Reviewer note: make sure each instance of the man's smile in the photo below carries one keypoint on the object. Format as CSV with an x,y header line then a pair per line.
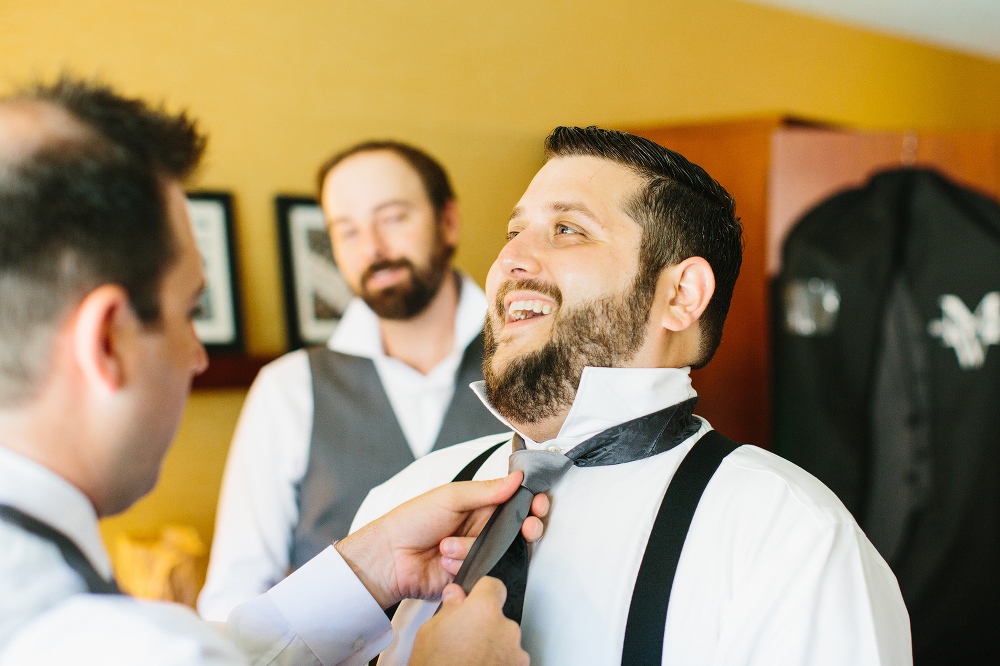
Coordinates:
x,y
521,306
385,277
528,309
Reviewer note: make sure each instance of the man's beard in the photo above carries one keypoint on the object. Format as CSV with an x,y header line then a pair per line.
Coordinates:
x,y
605,332
411,296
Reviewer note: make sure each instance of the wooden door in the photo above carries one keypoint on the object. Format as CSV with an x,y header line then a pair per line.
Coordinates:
x,y
735,386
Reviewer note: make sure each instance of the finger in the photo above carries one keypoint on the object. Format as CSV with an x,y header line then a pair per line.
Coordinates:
x,y
540,505
451,566
457,548
532,529
490,589
452,594
472,495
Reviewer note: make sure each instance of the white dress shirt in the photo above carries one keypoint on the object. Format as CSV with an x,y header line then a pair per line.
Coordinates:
x,y
322,614
258,505
774,569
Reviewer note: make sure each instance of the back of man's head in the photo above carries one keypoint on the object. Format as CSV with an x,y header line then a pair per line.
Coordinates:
x,y
683,212
82,204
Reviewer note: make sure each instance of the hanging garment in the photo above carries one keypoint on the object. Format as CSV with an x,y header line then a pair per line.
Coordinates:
x,y
886,333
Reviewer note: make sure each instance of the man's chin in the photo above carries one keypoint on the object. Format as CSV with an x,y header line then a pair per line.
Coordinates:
x,y
389,303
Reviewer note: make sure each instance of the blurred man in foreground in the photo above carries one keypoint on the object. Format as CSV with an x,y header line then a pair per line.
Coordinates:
x,y
99,280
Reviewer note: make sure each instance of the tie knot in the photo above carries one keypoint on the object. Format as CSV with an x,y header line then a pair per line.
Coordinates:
x,y
542,469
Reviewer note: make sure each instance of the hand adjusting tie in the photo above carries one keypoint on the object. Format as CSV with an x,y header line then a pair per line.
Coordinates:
x,y
501,551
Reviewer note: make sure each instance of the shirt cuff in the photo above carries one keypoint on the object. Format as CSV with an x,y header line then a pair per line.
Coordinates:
x,y
332,611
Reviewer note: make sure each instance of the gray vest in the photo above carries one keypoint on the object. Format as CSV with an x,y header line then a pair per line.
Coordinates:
x,y
357,442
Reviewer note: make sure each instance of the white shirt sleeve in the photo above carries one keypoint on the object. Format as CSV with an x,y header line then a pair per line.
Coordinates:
x,y
257,504
321,614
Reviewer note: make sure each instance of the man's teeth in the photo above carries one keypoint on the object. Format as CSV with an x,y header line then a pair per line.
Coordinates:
x,y
525,309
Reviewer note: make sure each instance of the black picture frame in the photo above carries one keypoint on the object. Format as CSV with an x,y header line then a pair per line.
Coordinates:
x,y
316,293
219,320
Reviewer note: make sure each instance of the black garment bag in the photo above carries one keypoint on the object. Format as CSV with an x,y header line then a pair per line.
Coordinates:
x,y
886,336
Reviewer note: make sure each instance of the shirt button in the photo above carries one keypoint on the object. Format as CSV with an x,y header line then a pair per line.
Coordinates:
x,y
357,644
553,448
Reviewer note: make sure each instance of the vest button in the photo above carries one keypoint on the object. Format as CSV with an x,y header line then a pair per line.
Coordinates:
x,y
357,644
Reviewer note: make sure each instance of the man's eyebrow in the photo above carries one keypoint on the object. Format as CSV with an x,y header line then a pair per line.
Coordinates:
x,y
572,207
385,204
560,207
392,202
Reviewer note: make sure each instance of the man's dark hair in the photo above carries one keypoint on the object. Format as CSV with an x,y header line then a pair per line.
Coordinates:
x,y
682,211
432,174
82,207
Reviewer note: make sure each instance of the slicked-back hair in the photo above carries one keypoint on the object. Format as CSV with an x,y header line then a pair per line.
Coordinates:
x,y
432,175
80,210
683,212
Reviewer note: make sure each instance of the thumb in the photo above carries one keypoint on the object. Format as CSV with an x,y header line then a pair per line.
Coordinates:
x,y
472,495
490,588
452,595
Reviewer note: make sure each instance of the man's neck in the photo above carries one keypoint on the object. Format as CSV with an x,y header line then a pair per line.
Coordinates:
x,y
428,338
545,429
43,436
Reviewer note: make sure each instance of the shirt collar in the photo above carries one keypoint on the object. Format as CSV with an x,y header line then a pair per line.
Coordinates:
x,y
608,397
358,333
48,497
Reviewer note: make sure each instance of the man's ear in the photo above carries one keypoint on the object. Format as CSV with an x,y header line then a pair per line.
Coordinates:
x,y
689,287
105,335
450,221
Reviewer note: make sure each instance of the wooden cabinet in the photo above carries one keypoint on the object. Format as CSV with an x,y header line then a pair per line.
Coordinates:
x,y
778,169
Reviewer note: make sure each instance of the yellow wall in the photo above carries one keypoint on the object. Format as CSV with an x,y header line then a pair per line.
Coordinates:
x,y
279,85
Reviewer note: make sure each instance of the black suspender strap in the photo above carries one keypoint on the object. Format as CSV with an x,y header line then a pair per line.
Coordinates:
x,y
647,614
74,557
469,471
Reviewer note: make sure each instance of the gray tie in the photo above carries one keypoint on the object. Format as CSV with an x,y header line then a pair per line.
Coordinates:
x,y
500,550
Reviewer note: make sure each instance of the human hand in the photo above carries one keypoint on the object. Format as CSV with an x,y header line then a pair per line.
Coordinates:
x,y
416,549
470,630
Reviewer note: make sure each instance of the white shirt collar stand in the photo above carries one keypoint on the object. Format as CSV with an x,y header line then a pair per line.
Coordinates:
x,y
608,397
48,497
359,334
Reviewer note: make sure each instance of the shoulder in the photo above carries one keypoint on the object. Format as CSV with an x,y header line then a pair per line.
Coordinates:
x,y
290,367
120,630
445,463
33,578
284,384
764,478
435,469
769,516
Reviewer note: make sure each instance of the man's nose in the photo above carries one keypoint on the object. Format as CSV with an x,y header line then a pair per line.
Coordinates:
x,y
519,258
200,362
373,246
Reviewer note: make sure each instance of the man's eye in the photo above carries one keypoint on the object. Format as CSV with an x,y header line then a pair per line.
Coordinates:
x,y
511,234
564,229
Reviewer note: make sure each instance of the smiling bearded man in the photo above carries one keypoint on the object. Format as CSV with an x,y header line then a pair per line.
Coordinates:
x,y
666,543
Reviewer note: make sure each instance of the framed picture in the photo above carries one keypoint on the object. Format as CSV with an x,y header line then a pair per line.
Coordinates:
x,y
218,320
315,292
